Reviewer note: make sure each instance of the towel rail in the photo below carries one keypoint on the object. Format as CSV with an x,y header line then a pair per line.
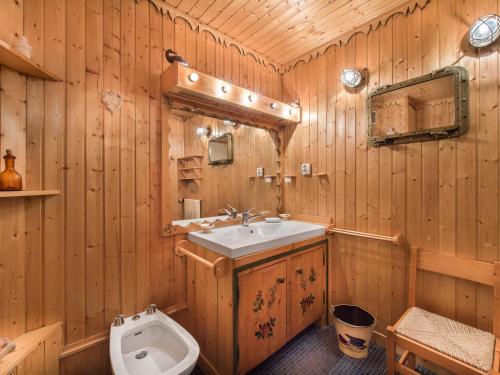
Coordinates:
x,y
397,239
219,266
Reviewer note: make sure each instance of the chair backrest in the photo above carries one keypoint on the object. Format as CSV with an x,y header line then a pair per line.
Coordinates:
x,y
473,270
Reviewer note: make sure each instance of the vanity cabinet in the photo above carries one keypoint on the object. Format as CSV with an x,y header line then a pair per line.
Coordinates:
x,y
276,301
255,306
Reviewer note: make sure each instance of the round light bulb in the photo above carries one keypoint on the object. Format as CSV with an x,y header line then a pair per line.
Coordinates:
x,y
225,89
252,97
273,105
193,77
351,77
484,31
292,111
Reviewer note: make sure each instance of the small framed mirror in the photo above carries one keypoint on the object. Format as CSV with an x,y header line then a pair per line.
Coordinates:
x,y
220,150
429,107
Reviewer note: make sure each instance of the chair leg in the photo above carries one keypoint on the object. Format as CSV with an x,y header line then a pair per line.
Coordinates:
x,y
391,351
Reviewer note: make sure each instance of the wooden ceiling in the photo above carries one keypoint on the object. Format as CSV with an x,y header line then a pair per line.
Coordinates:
x,y
283,30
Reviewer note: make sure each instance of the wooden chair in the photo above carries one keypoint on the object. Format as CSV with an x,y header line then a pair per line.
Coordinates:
x,y
414,331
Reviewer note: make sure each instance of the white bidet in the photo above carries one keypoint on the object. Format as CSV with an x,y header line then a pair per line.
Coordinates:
x,y
151,343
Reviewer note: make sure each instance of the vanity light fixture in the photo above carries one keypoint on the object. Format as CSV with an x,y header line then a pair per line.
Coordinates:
x,y
273,105
193,77
252,98
351,77
200,132
484,31
225,89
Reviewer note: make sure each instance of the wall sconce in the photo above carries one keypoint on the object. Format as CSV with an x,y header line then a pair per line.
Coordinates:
x,y
193,77
200,132
351,77
484,31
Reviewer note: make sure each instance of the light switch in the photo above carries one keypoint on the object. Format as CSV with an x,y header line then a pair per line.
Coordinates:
x,y
305,169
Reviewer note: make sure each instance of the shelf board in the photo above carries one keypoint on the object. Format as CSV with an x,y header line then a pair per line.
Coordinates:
x,y
190,169
190,178
28,193
320,174
189,157
290,175
16,61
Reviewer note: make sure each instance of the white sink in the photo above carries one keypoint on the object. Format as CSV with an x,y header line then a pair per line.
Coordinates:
x,y
236,241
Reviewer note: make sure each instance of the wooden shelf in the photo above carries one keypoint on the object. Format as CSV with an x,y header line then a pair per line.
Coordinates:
x,y
16,61
320,174
290,175
190,178
190,169
189,157
204,95
28,193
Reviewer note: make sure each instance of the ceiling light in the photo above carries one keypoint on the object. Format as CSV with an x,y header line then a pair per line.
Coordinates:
x,y
193,77
273,105
350,77
484,30
225,89
252,97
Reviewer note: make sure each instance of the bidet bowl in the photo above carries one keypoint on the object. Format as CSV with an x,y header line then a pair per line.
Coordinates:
x,y
153,344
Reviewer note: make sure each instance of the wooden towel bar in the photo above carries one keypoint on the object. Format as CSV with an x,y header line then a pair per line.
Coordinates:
x,y
396,239
219,267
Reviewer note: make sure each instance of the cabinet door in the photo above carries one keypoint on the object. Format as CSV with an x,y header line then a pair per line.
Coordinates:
x,y
261,314
306,278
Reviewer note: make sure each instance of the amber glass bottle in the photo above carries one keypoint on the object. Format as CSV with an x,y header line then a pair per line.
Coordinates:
x,y
9,178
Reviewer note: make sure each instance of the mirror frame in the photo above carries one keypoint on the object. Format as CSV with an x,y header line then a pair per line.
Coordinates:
x,y
230,144
461,101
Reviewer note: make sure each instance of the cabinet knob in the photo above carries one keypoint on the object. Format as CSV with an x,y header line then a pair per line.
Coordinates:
x,y
300,271
280,280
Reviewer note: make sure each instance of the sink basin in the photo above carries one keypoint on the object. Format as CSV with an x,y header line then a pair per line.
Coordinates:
x,y
236,241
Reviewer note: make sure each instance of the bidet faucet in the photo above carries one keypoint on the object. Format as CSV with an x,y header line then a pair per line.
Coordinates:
x,y
247,217
119,320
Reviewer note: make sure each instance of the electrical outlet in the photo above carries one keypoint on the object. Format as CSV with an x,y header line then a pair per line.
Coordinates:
x,y
305,169
260,172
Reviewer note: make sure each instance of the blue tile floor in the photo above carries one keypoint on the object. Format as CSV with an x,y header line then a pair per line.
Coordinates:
x,y
315,351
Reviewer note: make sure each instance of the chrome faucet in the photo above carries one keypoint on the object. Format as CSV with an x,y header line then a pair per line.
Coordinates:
x,y
232,212
247,217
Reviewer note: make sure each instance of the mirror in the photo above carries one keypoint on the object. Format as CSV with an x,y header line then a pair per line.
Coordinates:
x,y
212,163
429,107
220,150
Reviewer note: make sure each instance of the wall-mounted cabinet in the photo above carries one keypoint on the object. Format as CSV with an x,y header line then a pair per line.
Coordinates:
x,y
190,90
429,107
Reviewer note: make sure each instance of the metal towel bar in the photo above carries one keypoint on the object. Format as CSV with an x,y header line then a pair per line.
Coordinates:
x,y
397,239
219,267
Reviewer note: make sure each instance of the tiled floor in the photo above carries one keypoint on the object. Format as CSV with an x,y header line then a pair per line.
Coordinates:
x,y
315,351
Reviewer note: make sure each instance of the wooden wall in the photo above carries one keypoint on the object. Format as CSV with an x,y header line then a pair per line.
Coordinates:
x,y
95,250
442,195
234,183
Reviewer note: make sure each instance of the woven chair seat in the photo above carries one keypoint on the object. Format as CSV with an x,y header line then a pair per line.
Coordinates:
x,y
460,341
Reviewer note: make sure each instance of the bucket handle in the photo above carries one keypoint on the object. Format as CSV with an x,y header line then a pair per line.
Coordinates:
x,y
375,321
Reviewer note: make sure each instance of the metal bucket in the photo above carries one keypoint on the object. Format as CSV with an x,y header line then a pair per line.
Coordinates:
x,y
354,326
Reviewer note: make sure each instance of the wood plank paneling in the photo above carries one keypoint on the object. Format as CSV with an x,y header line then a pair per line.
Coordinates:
x,y
96,250
442,195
